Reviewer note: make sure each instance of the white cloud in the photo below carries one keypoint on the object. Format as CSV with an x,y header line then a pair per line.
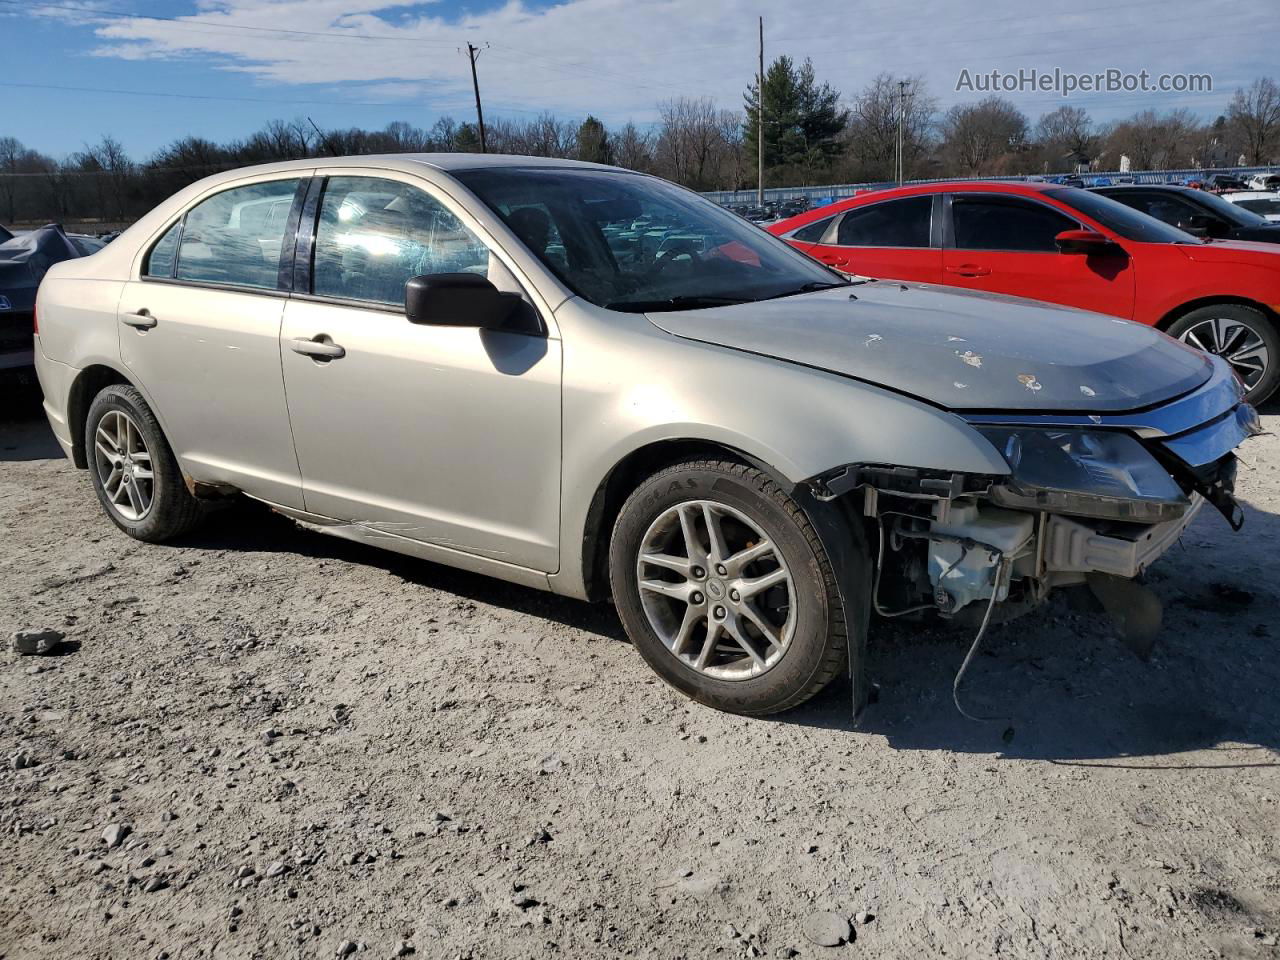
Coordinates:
x,y
618,58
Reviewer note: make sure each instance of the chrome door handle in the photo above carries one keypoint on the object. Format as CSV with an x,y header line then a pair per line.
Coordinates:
x,y
142,320
317,348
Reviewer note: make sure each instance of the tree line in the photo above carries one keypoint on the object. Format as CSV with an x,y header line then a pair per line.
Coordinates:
x,y
812,135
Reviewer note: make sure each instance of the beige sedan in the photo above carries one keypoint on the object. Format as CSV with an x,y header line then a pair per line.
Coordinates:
x,y
591,381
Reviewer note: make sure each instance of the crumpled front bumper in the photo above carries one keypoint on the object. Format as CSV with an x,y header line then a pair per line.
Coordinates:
x,y
1072,546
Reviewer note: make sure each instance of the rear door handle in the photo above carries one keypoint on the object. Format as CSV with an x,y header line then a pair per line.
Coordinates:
x,y
142,320
325,349
970,270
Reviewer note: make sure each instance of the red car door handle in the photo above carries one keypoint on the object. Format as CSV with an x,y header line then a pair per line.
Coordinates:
x,y
970,270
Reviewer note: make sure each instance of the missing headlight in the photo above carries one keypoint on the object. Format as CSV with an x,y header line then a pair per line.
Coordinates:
x,y
1091,473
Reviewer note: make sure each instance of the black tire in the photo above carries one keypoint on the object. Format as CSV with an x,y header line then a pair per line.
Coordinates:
x,y
1257,322
818,648
173,511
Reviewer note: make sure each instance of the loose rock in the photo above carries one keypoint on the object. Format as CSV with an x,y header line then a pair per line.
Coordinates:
x,y
827,929
27,643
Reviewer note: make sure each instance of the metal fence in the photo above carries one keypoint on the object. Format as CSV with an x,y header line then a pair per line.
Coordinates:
x,y
831,193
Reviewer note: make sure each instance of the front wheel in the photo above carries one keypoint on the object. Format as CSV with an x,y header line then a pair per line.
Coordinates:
x,y
1243,336
725,589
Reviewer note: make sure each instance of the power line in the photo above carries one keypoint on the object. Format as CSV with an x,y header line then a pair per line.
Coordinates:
x,y
398,104
196,24
197,96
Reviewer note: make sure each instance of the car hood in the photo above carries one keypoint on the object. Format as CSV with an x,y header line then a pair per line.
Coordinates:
x,y
1262,233
1232,251
958,349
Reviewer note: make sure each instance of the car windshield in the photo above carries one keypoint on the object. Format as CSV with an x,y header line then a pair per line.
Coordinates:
x,y
636,243
1263,206
1231,212
1129,223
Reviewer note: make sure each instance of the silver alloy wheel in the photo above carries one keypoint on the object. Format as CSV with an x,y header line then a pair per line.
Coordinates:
x,y
1236,342
124,465
716,590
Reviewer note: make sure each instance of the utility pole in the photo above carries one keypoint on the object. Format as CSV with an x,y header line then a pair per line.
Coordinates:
x,y
472,53
760,124
323,139
902,116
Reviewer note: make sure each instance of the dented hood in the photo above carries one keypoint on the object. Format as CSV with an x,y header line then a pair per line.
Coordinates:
x,y
958,349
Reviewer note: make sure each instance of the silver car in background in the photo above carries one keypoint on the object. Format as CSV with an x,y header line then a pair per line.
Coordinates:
x,y
591,381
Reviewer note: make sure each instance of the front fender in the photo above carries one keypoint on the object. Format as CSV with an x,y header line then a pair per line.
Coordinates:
x,y
628,385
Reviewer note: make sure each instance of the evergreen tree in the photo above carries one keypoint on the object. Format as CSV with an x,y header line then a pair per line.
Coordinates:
x,y
467,138
593,142
802,119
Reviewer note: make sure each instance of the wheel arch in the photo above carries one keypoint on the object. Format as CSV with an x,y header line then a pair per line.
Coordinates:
x,y
1183,309
627,474
87,384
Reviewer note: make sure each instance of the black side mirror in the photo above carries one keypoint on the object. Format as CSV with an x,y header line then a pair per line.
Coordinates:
x,y
1203,225
458,300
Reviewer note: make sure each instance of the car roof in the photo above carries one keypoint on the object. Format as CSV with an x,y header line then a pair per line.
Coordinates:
x,y
447,162
1022,187
1130,187
1251,195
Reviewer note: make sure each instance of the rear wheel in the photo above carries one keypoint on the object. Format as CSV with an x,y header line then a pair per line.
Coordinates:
x,y
725,589
133,469
1243,336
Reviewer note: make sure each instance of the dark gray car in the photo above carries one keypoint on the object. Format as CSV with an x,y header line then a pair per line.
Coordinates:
x,y
24,260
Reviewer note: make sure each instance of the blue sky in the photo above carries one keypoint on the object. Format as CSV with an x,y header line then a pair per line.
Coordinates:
x,y
366,63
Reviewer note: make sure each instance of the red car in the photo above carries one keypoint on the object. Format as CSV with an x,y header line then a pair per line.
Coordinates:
x,y
1064,245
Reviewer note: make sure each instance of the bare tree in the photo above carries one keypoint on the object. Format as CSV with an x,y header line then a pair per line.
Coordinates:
x,y
633,148
689,141
734,164
110,171
1152,140
10,150
1066,138
979,138
1255,116
871,138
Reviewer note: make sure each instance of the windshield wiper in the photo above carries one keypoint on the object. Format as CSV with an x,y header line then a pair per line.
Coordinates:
x,y
814,285
673,303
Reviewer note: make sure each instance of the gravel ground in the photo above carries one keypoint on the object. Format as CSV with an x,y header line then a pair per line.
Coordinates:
x,y
263,742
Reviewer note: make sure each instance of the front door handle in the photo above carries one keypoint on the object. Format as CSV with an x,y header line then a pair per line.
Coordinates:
x,y
970,270
142,320
324,349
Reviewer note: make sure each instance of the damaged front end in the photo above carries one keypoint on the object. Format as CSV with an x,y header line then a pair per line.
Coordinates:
x,y
1088,499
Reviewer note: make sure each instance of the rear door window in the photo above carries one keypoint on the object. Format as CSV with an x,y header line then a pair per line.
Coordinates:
x,y
235,237
893,223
